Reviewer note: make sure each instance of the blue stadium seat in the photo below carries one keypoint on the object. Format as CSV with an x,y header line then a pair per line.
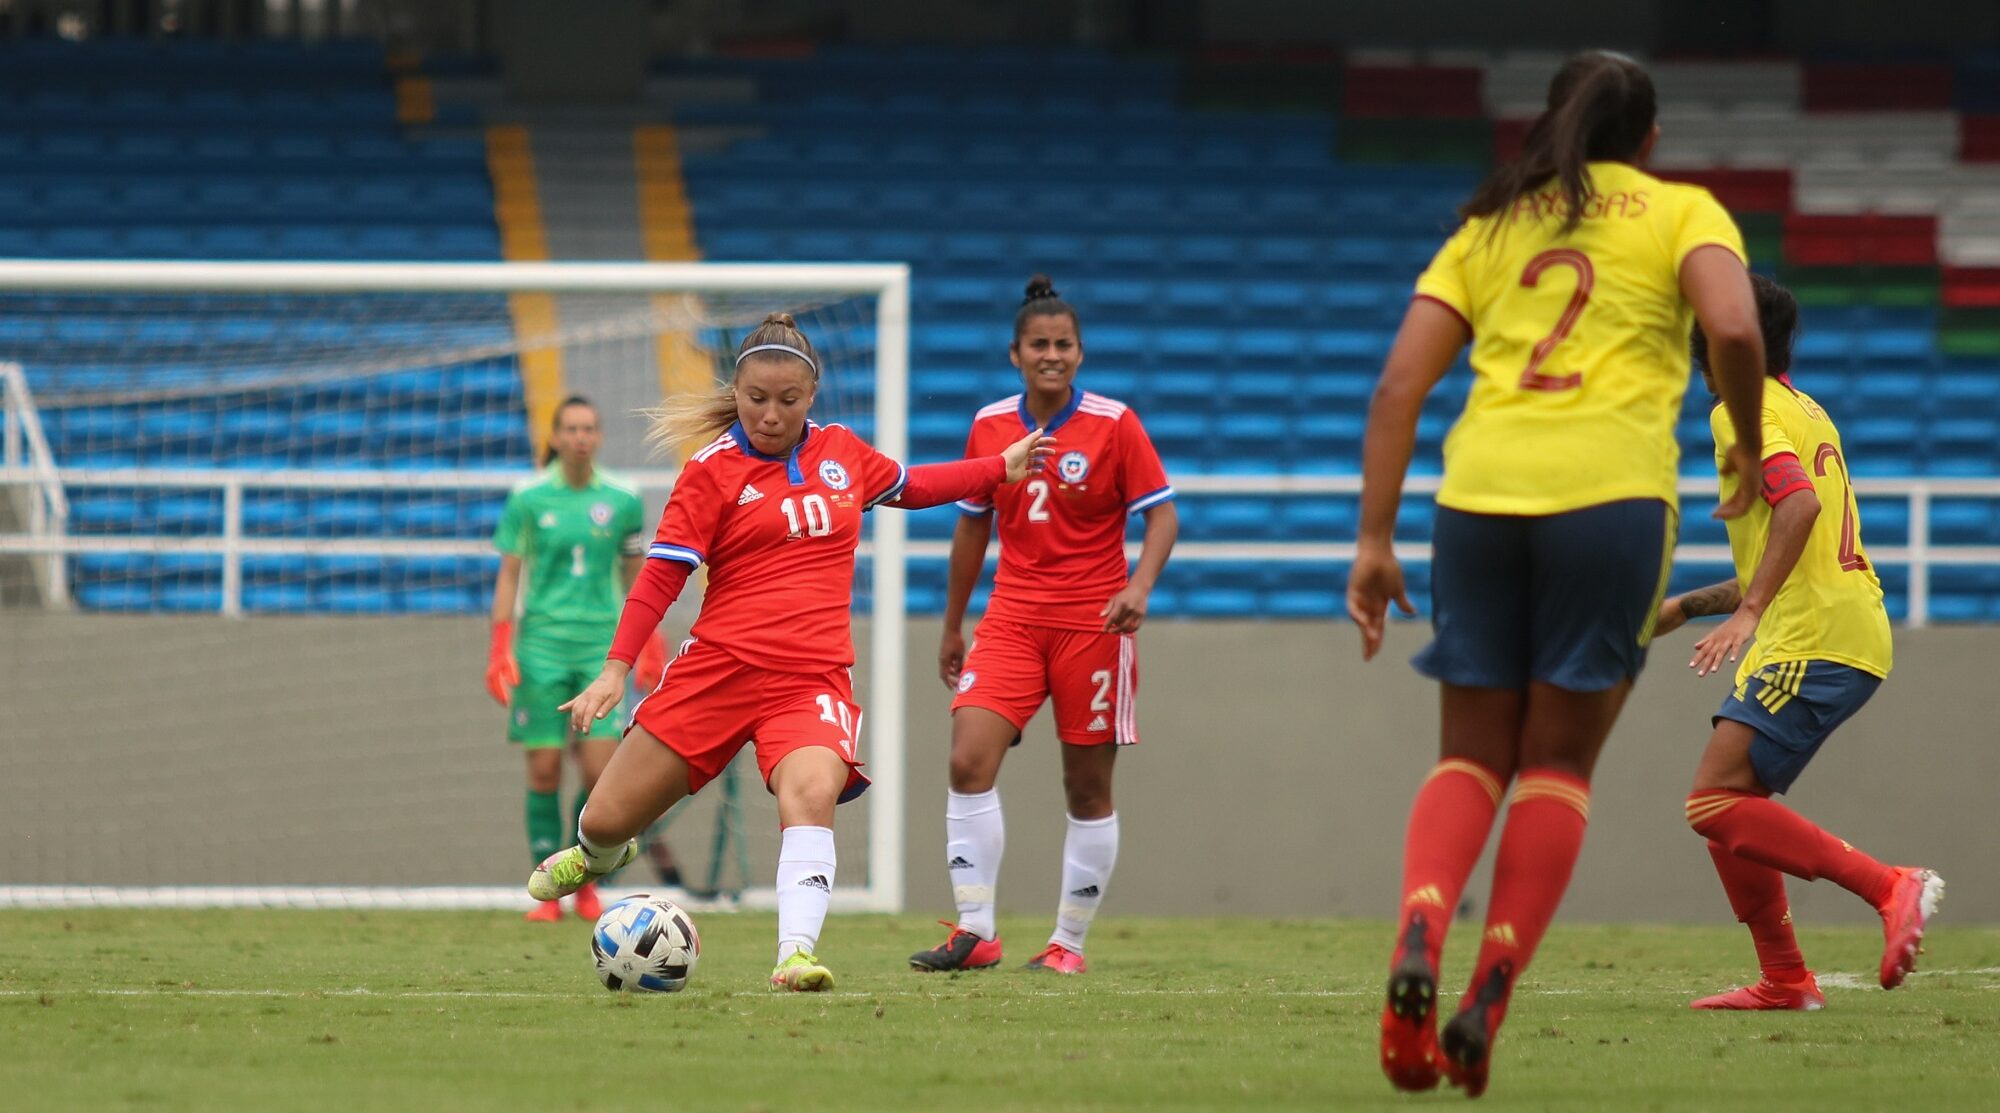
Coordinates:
x,y
1270,350
1198,299
1960,594
1318,518
1245,518
111,510
1325,442
280,597
1277,302
1198,349
1349,350
1120,347
1961,522
1220,590
1898,348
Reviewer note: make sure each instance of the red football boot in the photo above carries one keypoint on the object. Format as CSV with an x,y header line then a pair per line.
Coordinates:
x,y
1409,1020
1058,959
1770,996
961,950
1468,1040
1911,904
589,906
545,912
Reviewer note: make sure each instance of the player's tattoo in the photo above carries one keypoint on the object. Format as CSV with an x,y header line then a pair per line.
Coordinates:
x,y
1719,598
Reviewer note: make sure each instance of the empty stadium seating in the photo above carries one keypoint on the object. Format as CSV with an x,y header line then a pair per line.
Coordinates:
x,y
254,150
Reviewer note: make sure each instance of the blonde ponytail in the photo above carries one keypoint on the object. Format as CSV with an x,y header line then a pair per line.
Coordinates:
x,y
690,420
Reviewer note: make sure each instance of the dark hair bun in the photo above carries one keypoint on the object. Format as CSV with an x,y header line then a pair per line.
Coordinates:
x,y
785,319
1040,287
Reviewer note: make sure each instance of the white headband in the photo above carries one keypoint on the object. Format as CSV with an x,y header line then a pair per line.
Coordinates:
x,y
748,352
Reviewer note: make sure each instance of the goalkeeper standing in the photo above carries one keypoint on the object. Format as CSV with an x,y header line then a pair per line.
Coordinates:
x,y
570,542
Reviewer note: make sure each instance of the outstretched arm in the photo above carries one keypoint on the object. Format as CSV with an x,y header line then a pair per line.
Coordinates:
x,y
1700,603
937,484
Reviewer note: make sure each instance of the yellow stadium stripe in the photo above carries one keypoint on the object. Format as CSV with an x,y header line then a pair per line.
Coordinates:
x,y
666,221
1478,773
517,208
416,101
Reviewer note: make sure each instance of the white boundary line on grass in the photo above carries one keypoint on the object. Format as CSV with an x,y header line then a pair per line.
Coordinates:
x,y
1827,981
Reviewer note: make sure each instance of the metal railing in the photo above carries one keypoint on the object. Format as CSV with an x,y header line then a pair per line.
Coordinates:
x,y
24,451
50,539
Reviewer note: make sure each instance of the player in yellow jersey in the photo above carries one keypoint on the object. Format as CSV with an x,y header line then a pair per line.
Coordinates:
x,y
1806,591
1575,278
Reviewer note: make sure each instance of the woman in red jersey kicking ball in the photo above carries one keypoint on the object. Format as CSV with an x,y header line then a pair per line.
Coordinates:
x,y
1576,277
773,505
1059,626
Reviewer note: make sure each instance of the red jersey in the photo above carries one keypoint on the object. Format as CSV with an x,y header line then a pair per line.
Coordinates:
x,y
1062,531
778,535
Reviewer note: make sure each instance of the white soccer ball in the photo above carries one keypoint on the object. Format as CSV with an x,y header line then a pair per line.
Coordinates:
x,y
645,944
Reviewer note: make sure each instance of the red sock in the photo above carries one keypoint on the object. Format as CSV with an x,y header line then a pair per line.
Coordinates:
x,y
1538,849
1769,833
1449,822
1757,896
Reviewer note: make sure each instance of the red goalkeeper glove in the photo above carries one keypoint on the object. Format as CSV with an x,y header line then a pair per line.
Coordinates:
x,y
502,673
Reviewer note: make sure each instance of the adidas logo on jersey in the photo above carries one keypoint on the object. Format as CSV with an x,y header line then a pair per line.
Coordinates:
x,y
817,881
959,863
750,494
1099,723
1088,892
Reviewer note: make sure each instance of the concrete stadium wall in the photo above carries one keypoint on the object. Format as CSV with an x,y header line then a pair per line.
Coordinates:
x,y
1273,779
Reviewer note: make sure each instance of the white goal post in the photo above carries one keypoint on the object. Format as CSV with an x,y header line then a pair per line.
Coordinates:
x,y
744,290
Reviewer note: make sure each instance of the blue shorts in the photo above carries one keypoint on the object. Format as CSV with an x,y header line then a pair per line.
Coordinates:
x,y
1793,706
1567,599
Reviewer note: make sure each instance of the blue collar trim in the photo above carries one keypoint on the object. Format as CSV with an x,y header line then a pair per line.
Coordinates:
x,y
1056,422
791,462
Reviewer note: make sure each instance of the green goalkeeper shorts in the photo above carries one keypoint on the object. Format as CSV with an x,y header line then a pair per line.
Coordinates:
x,y
548,681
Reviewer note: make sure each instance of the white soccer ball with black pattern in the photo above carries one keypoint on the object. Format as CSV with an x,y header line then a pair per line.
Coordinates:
x,y
645,944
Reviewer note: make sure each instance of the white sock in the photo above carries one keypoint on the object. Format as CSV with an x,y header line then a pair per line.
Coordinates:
x,y
1090,850
600,859
805,887
975,838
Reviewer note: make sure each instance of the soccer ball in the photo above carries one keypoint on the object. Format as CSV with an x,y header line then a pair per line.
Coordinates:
x,y
645,944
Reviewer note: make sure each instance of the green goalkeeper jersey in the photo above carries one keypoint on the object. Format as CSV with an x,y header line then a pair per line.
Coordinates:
x,y
571,542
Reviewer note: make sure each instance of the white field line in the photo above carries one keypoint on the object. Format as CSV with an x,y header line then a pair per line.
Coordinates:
x,y
1826,981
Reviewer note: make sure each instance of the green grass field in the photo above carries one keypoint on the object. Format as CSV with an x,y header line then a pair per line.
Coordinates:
x,y
303,1011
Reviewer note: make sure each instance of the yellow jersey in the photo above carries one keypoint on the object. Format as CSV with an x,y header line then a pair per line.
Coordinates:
x,y
1579,343
1830,607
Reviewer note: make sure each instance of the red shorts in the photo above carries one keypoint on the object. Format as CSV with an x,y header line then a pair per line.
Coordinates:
x,y
709,704
1093,678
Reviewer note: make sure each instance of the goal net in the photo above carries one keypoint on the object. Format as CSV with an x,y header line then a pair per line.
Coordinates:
x,y
245,558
